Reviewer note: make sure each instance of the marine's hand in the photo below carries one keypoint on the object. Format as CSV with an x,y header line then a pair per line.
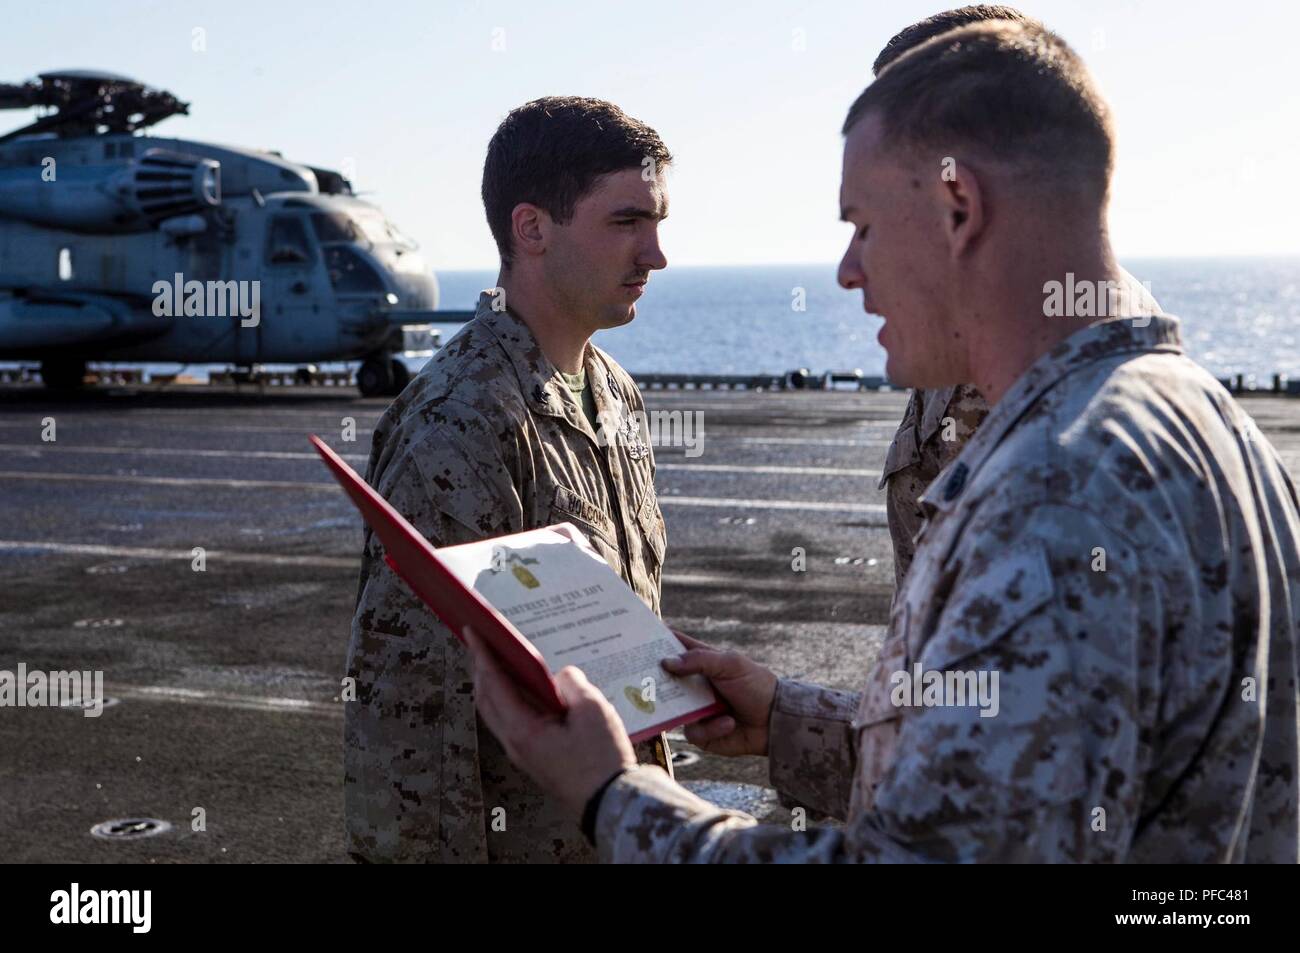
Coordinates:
x,y
570,756
746,686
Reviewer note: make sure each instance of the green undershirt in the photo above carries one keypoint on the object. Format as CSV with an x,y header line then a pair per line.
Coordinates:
x,y
577,384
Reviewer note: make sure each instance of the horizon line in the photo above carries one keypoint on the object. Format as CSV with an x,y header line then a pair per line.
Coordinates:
x,y
1200,256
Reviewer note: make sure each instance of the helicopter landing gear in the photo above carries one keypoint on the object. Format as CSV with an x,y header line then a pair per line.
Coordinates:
x,y
375,377
401,377
382,376
63,374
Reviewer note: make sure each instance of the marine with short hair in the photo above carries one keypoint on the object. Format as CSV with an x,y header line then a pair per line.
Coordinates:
x,y
517,423
1117,544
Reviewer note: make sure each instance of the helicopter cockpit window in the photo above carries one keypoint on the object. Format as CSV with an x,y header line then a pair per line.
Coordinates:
x,y
287,242
334,227
380,231
349,272
373,227
399,239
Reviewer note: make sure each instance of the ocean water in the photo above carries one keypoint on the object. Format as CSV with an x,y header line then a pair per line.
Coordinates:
x,y
1239,316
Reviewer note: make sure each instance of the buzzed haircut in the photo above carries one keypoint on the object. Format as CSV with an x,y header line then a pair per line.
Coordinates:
x,y
1008,93
922,30
551,152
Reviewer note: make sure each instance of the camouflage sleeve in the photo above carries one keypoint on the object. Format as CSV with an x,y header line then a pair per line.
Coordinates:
x,y
1046,767
810,746
646,817
411,785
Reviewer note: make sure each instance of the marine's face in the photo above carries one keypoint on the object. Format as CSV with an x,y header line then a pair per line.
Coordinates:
x,y
600,260
898,257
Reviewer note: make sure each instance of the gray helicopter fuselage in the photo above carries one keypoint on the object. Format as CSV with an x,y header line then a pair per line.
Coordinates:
x,y
97,262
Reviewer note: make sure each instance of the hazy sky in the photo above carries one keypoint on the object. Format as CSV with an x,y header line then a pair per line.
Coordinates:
x,y
749,97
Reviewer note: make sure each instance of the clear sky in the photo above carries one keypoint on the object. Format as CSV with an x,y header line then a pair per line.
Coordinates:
x,y
749,96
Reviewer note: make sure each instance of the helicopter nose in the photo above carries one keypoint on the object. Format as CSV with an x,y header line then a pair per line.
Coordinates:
x,y
416,290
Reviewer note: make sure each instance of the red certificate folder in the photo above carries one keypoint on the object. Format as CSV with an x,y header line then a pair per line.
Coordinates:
x,y
412,557
417,562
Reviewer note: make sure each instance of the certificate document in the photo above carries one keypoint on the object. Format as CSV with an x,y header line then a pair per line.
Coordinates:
x,y
575,610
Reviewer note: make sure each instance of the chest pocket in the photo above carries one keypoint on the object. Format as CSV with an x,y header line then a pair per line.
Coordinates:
x,y
878,721
652,526
568,507
982,609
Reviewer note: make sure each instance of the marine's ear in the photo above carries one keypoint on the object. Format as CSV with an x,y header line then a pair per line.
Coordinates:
x,y
961,197
529,225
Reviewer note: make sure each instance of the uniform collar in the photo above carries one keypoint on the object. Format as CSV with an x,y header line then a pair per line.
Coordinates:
x,y
934,410
540,381
604,387
1097,342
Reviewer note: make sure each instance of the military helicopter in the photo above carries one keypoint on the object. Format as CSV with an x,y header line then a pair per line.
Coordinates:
x,y
119,246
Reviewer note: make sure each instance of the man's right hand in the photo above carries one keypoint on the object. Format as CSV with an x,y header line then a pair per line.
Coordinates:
x,y
746,686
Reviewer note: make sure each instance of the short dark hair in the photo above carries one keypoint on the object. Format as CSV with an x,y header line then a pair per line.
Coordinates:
x,y
1011,93
922,30
551,151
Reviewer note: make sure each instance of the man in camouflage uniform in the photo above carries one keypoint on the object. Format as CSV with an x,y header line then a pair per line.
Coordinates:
x,y
1116,551
935,428
936,424
517,423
